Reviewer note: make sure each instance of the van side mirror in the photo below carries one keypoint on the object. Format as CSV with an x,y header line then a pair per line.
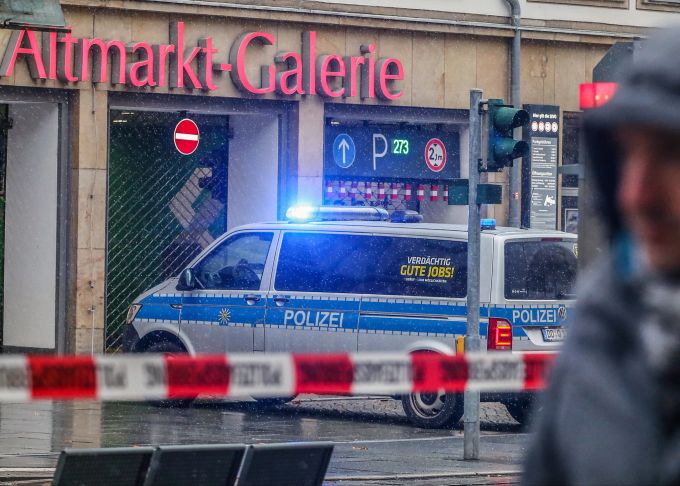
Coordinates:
x,y
187,280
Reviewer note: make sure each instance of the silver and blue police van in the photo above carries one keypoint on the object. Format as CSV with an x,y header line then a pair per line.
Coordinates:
x,y
334,279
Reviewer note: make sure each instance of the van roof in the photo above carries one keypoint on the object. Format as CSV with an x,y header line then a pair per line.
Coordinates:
x,y
403,228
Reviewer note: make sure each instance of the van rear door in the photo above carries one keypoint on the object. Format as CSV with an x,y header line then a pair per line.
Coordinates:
x,y
313,306
538,276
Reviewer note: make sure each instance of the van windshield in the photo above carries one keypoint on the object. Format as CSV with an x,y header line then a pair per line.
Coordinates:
x,y
540,269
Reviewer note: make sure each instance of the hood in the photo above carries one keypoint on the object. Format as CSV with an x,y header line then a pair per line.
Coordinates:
x,y
166,287
648,94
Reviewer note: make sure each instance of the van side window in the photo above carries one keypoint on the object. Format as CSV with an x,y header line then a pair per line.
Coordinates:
x,y
540,269
370,264
236,264
324,262
423,267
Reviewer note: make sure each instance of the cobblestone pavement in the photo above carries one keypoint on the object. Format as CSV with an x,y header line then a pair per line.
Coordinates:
x,y
492,414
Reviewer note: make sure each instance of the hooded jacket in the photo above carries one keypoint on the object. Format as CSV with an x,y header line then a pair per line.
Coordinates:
x,y
612,412
600,422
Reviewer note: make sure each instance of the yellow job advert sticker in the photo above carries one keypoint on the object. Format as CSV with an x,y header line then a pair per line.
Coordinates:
x,y
427,269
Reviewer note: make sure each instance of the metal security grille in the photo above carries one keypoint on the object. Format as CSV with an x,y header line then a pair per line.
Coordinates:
x,y
163,207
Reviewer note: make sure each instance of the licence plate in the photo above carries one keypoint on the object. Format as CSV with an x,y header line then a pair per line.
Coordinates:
x,y
554,334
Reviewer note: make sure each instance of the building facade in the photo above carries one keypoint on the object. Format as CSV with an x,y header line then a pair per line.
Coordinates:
x,y
106,191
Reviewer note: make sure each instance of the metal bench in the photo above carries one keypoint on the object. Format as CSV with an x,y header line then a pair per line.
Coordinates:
x,y
290,464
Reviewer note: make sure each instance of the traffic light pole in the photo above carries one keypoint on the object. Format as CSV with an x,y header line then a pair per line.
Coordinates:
x,y
472,340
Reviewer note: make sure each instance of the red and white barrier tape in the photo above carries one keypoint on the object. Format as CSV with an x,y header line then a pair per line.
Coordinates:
x,y
153,376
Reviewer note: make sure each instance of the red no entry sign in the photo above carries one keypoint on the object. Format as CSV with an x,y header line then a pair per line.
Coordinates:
x,y
186,137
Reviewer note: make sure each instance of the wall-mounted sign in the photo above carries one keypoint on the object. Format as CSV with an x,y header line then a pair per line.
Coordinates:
x,y
344,151
539,169
435,155
186,136
69,59
391,152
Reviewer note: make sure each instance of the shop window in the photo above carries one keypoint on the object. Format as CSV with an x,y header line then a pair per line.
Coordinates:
x,y
591,3
664,5
570,214
571,136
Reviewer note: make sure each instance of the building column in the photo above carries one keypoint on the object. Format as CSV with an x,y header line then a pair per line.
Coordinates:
x,y
310,151
89,176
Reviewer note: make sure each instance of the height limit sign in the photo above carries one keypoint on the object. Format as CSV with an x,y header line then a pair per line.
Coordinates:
x,y
435,155
186,137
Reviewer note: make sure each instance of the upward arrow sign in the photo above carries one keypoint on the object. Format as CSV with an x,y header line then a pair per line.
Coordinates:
x,y
344,146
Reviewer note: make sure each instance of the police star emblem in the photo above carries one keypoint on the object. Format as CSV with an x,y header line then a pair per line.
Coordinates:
x,y
224,316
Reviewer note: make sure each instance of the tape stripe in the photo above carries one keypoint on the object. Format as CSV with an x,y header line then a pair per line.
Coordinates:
x,y
536,374
14,379
149,376
62,378
432,372
381,374
325,374
188,377
251,376
131,377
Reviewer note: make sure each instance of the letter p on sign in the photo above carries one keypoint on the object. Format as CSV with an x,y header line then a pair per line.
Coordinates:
x,y
186,137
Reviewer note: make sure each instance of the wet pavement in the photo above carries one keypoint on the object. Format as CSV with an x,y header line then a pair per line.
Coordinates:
x,y
375,444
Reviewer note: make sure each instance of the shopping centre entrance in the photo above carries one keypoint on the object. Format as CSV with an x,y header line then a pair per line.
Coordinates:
x,y
164,206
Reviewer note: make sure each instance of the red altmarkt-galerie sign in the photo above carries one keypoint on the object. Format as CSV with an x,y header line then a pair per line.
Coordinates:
x,y
60,56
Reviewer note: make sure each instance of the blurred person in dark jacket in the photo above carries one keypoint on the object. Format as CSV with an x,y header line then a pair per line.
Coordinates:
x,y
612,412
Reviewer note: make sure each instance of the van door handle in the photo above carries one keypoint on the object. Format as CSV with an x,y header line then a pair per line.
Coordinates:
x,y
251,299
280,300
176,306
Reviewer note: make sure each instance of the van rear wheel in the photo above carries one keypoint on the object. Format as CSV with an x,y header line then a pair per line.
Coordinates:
x,y
433,410
169,349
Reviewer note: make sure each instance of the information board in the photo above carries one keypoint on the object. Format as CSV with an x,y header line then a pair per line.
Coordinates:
x,y
539,169
391,152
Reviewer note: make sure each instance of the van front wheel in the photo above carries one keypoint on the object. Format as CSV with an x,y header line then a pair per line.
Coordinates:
x,y
433,410
171,350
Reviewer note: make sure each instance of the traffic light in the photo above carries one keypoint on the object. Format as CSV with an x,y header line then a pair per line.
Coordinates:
x,y
503,148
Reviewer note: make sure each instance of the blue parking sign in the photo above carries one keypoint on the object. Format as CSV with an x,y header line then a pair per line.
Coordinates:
x,y
344,150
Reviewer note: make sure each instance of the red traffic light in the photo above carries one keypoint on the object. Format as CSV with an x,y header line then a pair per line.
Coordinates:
x,y
593,95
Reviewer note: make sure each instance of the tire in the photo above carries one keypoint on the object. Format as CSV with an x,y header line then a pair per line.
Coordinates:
x,y
169,348
520,410
433,410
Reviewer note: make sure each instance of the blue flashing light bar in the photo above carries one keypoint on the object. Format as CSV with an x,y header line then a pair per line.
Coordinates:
x,y
302,214
488,223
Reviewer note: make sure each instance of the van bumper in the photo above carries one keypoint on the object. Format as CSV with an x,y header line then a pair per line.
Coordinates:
x,y
130,339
